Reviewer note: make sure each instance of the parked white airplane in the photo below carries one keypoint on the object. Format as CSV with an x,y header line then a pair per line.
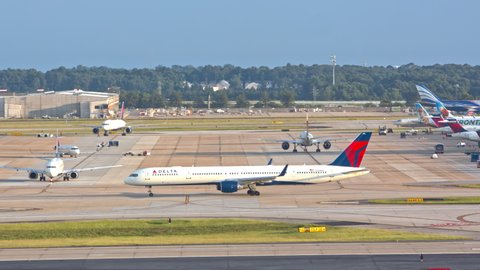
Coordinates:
x,y
306,139
71,150
460,132
229,179
469,123
114,124
420,121
55,168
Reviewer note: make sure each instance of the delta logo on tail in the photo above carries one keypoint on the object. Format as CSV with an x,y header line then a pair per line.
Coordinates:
x,y
353,155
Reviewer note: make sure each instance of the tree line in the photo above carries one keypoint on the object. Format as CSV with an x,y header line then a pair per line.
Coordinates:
x,y
171,86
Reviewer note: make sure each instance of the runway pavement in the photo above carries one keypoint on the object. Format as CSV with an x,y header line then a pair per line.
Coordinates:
x,y
396,165
331,262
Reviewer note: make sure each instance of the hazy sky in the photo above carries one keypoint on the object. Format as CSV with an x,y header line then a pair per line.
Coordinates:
x,y
126,34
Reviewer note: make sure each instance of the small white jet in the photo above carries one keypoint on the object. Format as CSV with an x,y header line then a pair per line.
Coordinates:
x,y
114,124
229,179
306,139
55,168
71,150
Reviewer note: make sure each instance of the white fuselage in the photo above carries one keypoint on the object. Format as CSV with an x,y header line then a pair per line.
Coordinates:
x,y
54,167
306,138
113,124
70,150
409,122
467,135
302,174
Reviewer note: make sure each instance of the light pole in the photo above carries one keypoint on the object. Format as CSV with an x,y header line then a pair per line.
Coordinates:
x,y
333,60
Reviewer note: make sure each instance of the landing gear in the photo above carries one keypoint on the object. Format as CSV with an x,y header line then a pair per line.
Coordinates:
x,y
42,178
295,148
124,134
150,193
105,133
318,148
66,178
252,191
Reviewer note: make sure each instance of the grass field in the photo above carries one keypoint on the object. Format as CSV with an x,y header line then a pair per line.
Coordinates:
x,y
470,186
447,200
182,231
19,127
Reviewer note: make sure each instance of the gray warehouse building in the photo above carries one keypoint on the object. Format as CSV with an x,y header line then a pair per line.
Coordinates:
x,y
61,104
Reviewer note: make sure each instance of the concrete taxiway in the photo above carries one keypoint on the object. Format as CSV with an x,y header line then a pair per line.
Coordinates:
x,y
399,168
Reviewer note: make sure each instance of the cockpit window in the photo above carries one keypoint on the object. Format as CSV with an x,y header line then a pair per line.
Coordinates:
x,y
74,148
134,175
51,167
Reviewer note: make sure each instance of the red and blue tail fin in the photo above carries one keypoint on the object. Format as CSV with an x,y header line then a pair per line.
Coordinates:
x,y
352,156
456,127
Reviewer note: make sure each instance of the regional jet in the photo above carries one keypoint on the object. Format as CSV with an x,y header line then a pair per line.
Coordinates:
x,y
229,179
114,124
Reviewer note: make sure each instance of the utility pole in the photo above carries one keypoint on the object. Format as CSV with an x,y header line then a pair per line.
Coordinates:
x,y
333,60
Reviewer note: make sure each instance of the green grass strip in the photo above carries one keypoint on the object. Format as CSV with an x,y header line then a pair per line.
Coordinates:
x,y
183,231
446,200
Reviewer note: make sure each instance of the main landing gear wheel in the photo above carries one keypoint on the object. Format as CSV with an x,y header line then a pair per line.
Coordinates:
x,y
66,178
150,193
318,150
253,192
42,178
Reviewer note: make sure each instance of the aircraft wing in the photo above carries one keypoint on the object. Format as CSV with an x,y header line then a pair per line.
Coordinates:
x,y
297,141
321,140
260,179
91,169
22,169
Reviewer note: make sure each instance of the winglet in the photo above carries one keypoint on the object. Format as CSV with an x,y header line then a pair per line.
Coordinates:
x,y
270,162
284,171
352,156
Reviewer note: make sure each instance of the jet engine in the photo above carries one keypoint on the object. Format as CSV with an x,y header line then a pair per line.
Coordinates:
x,y
33,175
285,145
96,130
327,145
128,130
229,186
73,175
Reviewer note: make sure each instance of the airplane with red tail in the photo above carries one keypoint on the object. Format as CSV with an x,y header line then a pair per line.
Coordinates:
x,y
229,179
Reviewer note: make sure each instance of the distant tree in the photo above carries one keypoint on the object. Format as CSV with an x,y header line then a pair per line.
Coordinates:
x,y
287,98
241,101
220,99
176,99
199,102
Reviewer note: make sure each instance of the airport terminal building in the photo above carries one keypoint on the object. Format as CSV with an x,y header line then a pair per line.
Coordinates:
x,y
61,104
